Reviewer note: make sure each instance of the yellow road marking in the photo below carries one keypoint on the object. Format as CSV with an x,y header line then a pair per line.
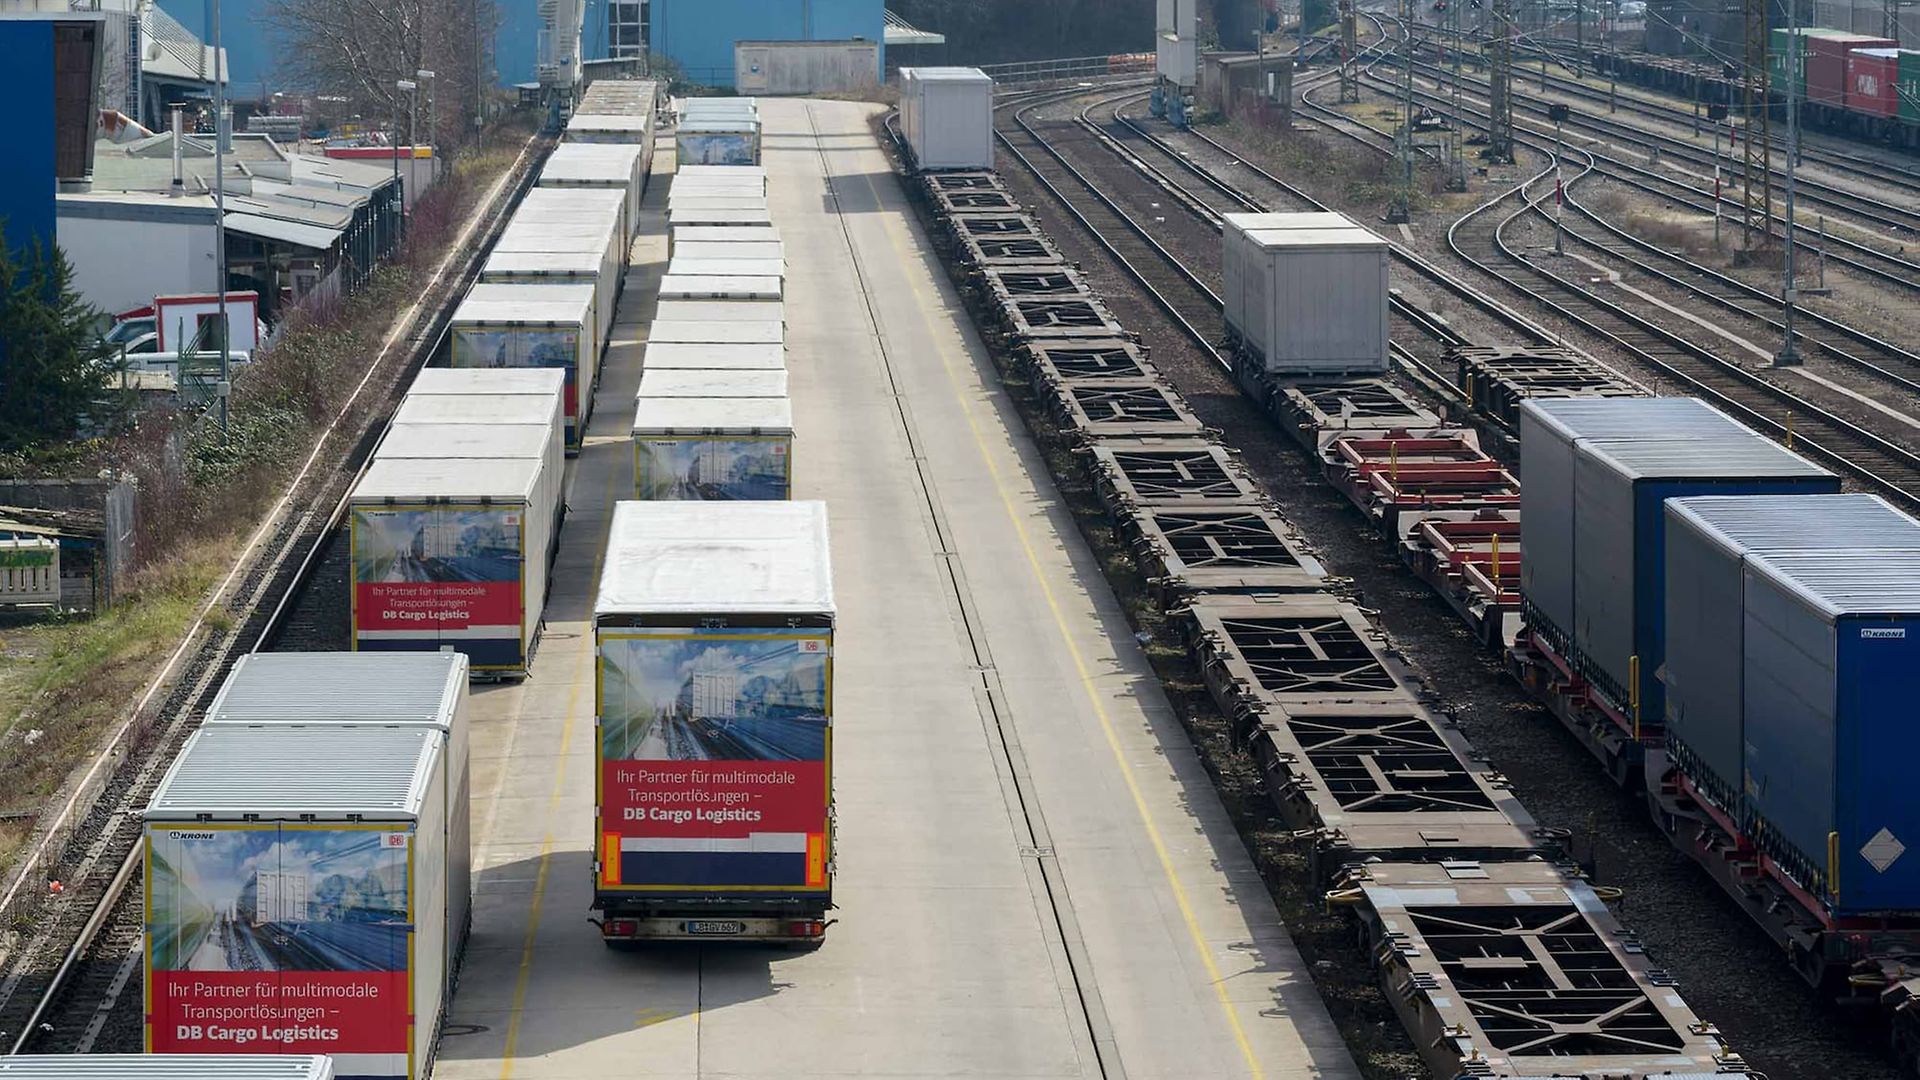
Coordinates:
x,y
1073,650
580,675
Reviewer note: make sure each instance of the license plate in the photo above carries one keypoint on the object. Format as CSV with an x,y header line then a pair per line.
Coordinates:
x,y
717,927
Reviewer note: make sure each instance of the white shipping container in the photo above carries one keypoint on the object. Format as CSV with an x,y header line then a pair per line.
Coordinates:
x,y
1309,300
717,332
487,438
615,166
712,448
451,553
610,128
713,384
514,326
360,811
714,287
167,1067
328,689
445,382
663,357
556,268
727,310
947,115
29,571
601,241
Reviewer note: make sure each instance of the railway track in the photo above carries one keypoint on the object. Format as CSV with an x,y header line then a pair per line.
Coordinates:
x,y
78,965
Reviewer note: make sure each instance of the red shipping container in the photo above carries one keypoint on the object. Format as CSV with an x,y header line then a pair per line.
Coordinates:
x,y
1827,63
1873,81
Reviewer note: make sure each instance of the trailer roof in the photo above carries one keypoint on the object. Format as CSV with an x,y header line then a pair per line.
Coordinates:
x,y
362,686
409,481
454,381
232,773
709,310
704,416
1310,219
467,440
718,125
580,263
700,215
723,233
693,557
522,304
730,249
1840,582
468,408
1760,524
947,74
167,1067
1586,418
577,162
1708,455
718,287
684,265
718,332
623,122
711,384
570,200
722,170
1345,236
667,356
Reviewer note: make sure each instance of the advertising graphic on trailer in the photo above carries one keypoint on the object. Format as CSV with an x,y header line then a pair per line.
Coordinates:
x,y
518,348
711,469
277,940
713,757
426,577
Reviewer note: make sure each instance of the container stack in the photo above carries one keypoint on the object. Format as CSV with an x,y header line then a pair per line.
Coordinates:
x,y
712,419
547,291
618,111
718,131
1593,526
454,524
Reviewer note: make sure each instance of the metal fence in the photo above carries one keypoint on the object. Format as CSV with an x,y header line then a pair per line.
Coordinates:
x,y
1037,73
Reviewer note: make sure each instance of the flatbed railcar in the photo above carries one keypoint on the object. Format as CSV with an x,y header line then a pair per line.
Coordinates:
x,y
1354,754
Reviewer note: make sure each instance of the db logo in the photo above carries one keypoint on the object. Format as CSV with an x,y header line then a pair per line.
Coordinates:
x,y
395,840
813,646
189,1031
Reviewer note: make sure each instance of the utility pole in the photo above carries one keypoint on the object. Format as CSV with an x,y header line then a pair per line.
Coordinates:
x,y
1716,114
1579,38
1756,162
433,128
1613,63
1349,72
1500,83
1400,210
1788,356
220,125
1558,112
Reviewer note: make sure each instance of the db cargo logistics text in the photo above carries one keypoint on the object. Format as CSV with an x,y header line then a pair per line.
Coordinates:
x,y
714,758
270,938
435,569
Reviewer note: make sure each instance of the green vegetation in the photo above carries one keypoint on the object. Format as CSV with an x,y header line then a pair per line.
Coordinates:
x,y
54,369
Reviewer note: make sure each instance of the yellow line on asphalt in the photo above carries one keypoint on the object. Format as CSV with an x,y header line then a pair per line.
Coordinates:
x,y
582,672
1073,650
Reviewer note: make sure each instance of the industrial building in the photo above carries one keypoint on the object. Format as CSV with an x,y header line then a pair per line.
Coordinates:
x,y
700,35
53,60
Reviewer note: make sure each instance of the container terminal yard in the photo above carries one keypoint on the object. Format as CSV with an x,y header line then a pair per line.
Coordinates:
x,y
1014,582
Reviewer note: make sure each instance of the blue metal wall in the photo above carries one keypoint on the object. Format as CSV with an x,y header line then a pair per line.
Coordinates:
x,y
26,182
251,40
699,34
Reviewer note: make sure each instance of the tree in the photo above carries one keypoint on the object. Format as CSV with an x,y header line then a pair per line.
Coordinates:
x,y
54,368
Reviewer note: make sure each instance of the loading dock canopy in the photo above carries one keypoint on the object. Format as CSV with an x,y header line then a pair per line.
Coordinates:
x,y
901,32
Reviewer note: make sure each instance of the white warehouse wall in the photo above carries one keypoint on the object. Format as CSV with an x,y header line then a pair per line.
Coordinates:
x,y
127,249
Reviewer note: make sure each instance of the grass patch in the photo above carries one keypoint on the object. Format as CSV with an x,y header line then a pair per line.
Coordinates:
x,y
66,682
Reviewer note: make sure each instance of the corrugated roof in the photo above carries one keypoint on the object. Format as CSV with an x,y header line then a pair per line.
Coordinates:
x,y
698,416
711,384
231,772
683,265
285,232
591,163
1581,418
435,381
718,332
359,686
1848,582
718,557
405,480
558,263
1759,524
1711,454
167,1067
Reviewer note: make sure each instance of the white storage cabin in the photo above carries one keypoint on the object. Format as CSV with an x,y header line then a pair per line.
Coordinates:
x,y
946,114
1305,297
